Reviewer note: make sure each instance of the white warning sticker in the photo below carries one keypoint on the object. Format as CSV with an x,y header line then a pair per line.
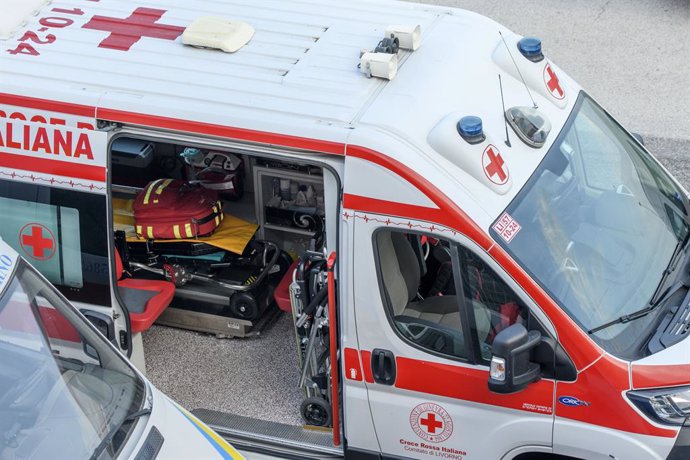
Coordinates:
x,y
506,227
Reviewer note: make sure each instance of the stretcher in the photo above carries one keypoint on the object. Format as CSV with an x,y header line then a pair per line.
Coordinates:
x,y
224,281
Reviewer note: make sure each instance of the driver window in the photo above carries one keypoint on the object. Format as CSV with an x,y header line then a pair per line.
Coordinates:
x,y
420,292
501,307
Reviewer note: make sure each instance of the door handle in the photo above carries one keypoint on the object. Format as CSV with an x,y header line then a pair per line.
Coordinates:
x,y
383,366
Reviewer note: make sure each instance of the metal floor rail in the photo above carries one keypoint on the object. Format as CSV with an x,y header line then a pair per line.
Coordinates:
x,y
265,436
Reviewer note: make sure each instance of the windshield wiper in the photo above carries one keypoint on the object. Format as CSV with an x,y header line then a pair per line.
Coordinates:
x,y
111,434
675,257
644,311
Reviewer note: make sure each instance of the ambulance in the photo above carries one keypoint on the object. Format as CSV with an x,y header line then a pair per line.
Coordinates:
x,y
68,393
495,267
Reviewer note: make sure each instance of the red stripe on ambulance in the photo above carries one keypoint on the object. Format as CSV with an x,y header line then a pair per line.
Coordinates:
x,y
666,375
602,385
187,126
353,369
53,167
48,105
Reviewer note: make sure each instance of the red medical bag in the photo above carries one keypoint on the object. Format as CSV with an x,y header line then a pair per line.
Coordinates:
x,y
174,209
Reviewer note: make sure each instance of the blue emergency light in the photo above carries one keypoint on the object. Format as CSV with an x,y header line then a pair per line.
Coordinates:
x,y
530,47
470,128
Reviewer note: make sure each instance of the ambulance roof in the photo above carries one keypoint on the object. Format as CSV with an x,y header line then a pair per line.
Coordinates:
x,y
301,62
298,75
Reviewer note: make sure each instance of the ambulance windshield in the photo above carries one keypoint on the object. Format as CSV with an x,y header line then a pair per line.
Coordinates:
x,y
63,389
596,225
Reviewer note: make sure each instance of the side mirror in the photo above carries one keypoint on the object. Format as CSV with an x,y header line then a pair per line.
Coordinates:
x,y
511,369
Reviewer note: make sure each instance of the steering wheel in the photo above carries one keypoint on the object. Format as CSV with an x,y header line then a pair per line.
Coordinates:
x,y
429,333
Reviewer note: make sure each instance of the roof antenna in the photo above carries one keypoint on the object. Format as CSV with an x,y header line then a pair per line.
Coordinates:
x,y
503,104
518,70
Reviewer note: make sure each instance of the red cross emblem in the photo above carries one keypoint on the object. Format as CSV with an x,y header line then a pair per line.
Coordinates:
x,y
431,423
126,32
552,83
494,166
37,241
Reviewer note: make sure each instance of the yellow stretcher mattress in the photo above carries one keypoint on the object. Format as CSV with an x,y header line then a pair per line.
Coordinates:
x,y
232,235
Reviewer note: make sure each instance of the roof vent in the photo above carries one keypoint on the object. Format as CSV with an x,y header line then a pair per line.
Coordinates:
x,y
218,33
15,14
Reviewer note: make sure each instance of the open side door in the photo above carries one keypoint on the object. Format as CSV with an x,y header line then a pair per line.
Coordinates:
x,y
54,211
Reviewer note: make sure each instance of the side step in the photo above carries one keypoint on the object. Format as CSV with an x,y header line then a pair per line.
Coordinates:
x,y
263,436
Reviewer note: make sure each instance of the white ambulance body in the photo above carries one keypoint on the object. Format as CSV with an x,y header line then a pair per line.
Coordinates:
x,y
546,310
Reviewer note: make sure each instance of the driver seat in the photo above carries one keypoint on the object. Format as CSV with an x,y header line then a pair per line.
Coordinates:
x,y
401,274
145,299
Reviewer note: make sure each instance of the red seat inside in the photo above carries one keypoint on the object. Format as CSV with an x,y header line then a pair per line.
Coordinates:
x,y
282,292
164,293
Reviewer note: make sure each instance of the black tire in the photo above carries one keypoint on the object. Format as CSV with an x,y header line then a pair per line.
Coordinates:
x,y
316,412
243,306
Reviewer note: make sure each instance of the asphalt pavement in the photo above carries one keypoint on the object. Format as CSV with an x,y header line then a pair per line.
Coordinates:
x,y
633,56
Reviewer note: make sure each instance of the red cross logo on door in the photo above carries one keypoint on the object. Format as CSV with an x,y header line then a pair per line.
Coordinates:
x,y
126,32
494,166
37,241
431,422
552,83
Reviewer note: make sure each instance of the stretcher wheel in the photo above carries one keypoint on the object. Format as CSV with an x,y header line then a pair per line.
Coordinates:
x,y
243,305
316,411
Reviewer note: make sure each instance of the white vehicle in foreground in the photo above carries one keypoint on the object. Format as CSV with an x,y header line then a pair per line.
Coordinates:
x,y
66,393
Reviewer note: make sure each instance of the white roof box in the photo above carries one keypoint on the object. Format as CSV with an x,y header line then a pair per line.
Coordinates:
x,y
15,14
219,33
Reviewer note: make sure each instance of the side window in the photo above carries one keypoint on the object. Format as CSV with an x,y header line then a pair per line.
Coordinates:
x,y
63,233
422,294
499,306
